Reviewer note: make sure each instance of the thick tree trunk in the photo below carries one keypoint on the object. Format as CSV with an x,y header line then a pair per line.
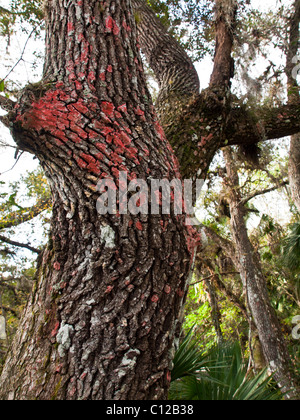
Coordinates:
x,y
293,96
100,323
254,283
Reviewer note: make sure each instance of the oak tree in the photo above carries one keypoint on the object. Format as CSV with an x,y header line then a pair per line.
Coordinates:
x,y
106,306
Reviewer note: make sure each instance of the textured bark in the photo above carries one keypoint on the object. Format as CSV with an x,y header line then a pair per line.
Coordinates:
x,y
293,95
254,283
294,169
100,323
174,70
225,20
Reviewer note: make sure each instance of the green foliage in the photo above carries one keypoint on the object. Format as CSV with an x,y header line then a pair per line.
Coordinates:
x,y
22,201
291,249
190,22
198,314
28,11
188,359
15,286
222,375
17,268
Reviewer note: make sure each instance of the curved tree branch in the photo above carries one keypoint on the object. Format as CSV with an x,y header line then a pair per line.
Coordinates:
x,y
173,69
225,21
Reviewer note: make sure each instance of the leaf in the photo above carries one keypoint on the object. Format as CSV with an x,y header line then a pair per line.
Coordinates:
x,y
188,359
2,86
222,374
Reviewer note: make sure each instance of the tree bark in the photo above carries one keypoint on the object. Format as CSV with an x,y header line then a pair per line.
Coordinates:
x,y
254,283
293,96
294,169
101,320
223,71
175,73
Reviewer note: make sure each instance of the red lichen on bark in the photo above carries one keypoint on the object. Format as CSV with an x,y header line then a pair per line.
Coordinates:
x,y
111,26
139,225
56,266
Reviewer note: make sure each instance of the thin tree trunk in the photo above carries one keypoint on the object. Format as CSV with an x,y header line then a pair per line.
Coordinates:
x,y
254,283
293,97
225,21
294,169
215,311
101,320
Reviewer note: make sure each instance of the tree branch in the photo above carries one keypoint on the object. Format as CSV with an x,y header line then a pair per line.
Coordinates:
x,y
225,21
169,61
3,10
213,275
24,215
231,296
205,126
253,126
262,192
225,244
19,244
22,54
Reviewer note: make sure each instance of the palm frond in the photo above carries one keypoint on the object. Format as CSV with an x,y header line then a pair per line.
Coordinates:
x,y
291,248
223,376
188,359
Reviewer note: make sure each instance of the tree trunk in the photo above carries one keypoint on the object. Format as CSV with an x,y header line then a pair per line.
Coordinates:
x,y
294,169
254,283
101,320
225,22
293,96
215,310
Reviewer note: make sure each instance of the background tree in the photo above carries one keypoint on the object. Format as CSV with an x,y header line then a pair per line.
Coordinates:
x,y
225,259
23,229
